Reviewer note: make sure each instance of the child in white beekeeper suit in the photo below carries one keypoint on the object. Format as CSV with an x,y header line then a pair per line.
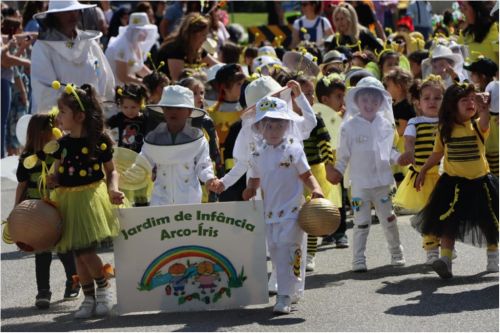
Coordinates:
x,y
179,151
279,166
367,144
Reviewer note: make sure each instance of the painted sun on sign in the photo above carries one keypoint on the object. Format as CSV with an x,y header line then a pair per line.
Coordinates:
x,y
192,273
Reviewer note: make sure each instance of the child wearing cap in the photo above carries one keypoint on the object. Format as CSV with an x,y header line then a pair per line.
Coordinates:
x,y
367,145
178,150
280,167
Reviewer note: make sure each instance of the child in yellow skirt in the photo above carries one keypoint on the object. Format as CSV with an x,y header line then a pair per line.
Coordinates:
x,y
398,82
84,198
330,91
464,203
419,142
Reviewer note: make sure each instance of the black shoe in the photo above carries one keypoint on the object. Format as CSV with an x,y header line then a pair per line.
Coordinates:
x,y
328,240
71,293
43,299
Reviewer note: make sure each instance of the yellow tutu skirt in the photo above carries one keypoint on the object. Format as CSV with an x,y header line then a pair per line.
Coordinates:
x,y
141,196
331,192
88,216
407,196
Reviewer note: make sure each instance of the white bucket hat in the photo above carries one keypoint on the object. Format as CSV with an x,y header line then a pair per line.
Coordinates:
x,y
369,83
213,70
443,52
267,51
263,62
177,97
260,88
271,107
299,62
62,6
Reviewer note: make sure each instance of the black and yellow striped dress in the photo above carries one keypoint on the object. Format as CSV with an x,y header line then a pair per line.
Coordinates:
x,y
318,153
407,196
492,144
464,203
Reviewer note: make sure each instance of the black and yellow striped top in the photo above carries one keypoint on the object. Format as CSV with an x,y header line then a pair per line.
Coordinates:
x,y
464,152
32,176
425,129
317,147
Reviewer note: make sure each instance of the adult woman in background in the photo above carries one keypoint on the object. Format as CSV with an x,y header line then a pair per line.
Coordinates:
x,y
184,47
481,33
127,52
68,55
349,32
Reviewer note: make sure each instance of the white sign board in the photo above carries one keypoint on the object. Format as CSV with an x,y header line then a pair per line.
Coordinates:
x,y
191,257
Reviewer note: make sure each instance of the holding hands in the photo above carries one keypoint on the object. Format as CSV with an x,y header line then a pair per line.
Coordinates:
x,y
116,197
333,175
215,185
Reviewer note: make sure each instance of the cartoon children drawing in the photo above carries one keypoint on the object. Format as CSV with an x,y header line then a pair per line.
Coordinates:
x,y
206,276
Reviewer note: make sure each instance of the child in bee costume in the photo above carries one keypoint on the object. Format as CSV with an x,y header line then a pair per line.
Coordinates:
x,y
280,167
367,144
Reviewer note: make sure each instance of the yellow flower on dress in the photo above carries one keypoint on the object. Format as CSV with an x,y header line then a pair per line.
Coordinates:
x,y
83,173
85,150
103,146
61,169
96,167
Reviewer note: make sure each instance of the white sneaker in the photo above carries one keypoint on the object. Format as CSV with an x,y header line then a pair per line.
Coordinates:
x,y
454,254
104,301
492,265
86,309
283,304
442,266
432,255
295,299
359,267
310,264
398,259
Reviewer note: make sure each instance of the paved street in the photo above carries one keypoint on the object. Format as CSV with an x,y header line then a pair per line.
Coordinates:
x,y
411,298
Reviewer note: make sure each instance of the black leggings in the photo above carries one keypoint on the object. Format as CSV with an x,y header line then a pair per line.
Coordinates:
x,y
42,268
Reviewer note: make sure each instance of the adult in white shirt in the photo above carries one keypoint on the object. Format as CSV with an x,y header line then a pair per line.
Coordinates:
x,y
127,52
67,54
317,27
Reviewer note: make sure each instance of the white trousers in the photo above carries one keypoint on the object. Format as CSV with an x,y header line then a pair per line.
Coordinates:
x,y
286,243
361,202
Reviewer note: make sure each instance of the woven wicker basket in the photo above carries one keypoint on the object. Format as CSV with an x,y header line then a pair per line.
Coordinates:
x,y
319,217
34,225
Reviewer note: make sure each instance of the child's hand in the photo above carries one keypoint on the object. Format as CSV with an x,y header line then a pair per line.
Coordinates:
x,y
295,86
52,181
482,101
406,158
116,197
419,182
249,193
214,185
317,194
450,71
333,176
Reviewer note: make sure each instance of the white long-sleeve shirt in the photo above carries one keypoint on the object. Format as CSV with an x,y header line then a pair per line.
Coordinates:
x,y
363,145
180,167
245,141
83,62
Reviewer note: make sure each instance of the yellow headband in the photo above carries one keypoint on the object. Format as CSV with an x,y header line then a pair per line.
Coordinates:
x,y
69,89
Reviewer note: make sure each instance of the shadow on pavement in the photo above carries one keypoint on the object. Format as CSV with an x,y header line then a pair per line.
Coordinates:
x,y
15,255
192,321
431,302
315,281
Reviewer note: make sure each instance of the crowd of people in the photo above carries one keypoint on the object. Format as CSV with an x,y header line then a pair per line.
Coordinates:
x,y
369,105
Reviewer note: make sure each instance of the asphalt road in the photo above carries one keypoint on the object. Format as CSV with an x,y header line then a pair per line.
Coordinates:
x,y
410,298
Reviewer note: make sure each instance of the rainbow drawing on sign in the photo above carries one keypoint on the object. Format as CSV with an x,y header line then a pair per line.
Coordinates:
x,y
178,272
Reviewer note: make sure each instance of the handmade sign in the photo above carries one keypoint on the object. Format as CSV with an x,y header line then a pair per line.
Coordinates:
x,y
191,257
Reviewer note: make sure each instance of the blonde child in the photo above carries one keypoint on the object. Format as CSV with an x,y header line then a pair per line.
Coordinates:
x,y
40,132
88,186
464,203
366,144
178,150
419,142
280,167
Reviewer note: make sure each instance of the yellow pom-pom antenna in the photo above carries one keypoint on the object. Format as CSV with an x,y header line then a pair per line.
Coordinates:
x,y
56,132
68,89
56,85
303,30
119,91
